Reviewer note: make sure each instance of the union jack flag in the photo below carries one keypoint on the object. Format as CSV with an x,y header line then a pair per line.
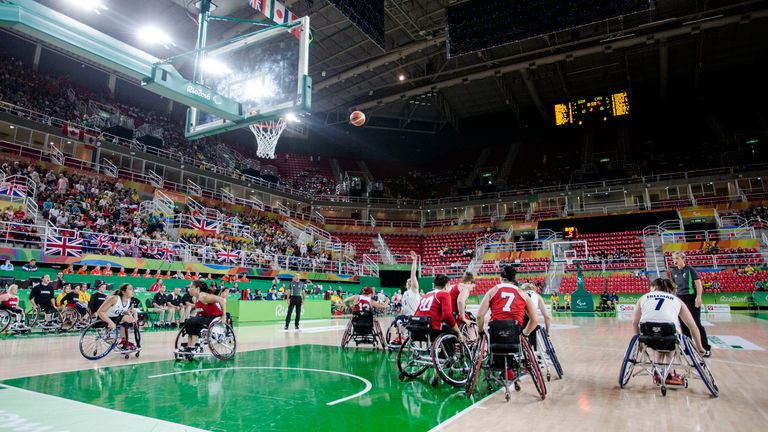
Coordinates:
x,y
166,252
100,241
13,190
204,225
63,246
115,248
228,256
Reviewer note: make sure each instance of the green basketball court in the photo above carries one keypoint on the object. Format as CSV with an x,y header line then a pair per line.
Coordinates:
x,y
317,387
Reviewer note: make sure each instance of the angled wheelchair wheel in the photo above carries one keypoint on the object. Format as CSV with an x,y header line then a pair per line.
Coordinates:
x,y
378,336
181,338
451,359
477,363
221,340
550,350
395,335
97,340
533,368
630,359
411,359
5,319
347,335
69,318
33,315
701,367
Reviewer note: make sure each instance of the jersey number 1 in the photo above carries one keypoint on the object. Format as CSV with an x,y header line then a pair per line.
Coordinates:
x,y
510,298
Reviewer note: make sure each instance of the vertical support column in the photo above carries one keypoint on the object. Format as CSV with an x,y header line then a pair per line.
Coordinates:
x,y
169,106
36,60
111,84
202,35
647,198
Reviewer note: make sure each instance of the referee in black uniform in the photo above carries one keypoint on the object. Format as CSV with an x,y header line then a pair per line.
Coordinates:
x,y
295,297
689,290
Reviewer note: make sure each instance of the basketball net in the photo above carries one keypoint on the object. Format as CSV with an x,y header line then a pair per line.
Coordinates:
x,y
569,258
267,133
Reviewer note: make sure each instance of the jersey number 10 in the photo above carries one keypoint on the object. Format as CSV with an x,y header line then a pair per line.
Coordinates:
x,y
426,304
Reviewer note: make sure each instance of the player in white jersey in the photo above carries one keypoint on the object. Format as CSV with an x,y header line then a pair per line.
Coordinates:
x,y
541,309
661,305
411,295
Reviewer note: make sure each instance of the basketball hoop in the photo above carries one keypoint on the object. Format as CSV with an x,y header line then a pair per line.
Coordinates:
x,y
267,133
570,256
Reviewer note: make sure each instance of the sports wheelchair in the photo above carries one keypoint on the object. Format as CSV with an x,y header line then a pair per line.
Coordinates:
x,y
663,337
425,348
545,353
396,333
97,341
363,328
506,357
35,318
8,321
219,338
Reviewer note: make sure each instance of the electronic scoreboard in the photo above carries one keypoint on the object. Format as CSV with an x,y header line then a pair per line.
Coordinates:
x,y
593,110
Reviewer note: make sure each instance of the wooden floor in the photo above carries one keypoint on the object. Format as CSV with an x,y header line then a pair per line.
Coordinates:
x,y
587,398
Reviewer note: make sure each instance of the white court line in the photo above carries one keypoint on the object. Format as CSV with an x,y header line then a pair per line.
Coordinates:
x,y
310,330
368,385
114,416
460,414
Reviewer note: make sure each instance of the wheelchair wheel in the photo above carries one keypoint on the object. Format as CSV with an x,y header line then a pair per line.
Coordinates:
x,y
69,318
701,367
469,333
97,340
33,315
451,359
477,364
347,335
409,358
221,340
533,368
395,336
550,350
630,358
5,319
378,336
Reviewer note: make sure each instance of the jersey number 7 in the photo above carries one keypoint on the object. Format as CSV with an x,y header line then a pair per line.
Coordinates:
x,y
510,298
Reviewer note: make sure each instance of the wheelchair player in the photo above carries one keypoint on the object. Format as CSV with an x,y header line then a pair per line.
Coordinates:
x,y
9,302
363,328
658,307
508,305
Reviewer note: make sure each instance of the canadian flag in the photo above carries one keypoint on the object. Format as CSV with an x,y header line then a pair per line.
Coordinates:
x,y
73,132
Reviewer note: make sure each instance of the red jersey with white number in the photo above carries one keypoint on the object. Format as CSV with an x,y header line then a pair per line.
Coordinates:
x,y
437,305
209,310
12,302
507,304
363,304
453,291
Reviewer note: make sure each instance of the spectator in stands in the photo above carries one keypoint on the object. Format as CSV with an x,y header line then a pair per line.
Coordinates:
x,y
70,269
147,273
178,275
107,270
689,290
135,272
121,273
31,266
155,287
749,270
59,284
83,270
96,271
8,266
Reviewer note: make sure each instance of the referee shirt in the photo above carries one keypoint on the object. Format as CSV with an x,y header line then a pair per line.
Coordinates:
x,y
297,289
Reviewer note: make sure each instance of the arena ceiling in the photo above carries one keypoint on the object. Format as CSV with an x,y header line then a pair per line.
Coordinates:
x,y
677,37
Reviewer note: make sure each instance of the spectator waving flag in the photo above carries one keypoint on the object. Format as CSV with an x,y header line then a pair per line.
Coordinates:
x,y
228,256
204,225
63,246
100,241
115,248
166,252
13,190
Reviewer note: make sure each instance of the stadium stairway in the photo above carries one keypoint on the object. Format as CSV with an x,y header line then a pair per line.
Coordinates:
x,y
654,256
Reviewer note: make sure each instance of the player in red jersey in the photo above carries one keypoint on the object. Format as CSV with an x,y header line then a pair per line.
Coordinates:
x,y
507,302
436,304
209,307
363,302
459,293
9,301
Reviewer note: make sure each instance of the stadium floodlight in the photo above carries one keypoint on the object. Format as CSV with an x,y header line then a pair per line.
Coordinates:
x,y
259,87
215,67
291,117
154,35
95,6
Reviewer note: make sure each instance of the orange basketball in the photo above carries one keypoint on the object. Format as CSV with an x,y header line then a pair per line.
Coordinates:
x,y
357,118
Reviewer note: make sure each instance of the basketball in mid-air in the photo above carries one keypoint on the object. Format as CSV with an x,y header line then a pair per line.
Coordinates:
x,y
357,118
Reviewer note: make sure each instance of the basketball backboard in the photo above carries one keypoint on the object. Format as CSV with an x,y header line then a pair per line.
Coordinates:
x,y
574,250
266,71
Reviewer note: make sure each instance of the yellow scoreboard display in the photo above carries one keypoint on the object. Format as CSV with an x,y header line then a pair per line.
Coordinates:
x,y
593,110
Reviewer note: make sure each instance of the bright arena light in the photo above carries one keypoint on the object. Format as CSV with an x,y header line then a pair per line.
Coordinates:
x,y
215,67
401,77
291,117
90,5
258,88
154,35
